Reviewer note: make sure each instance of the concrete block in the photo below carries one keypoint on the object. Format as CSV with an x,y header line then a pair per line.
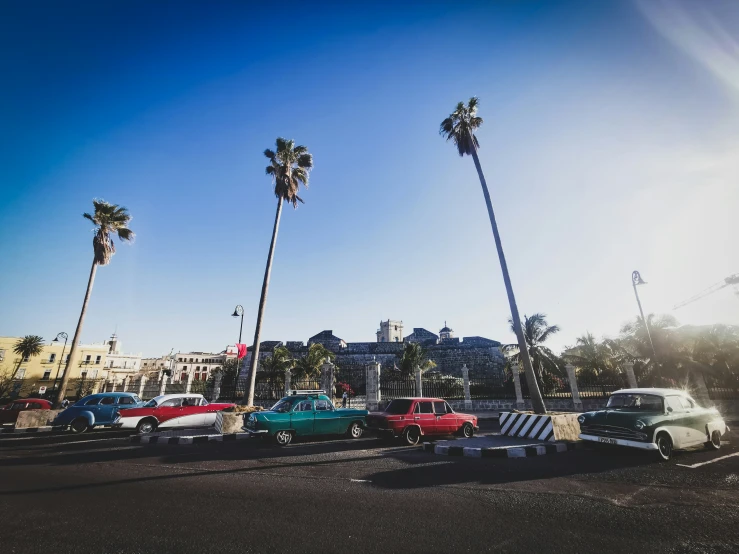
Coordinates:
x,y
36,418
229,422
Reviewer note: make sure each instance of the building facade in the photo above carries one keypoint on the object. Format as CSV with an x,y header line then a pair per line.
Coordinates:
x,y
390,331
118,364
200,364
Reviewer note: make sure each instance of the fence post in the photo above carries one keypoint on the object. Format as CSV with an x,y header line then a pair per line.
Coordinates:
x,y
217,380
517,386
573,386
466,379
190,376
142,384
630,377
163,387
374,395
327,378
419,382
288,375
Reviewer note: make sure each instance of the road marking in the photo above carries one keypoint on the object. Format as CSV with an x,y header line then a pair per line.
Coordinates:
x,y
709,461
360,480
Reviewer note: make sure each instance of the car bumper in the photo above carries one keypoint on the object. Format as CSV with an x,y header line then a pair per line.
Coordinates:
x,y
255,431
619,442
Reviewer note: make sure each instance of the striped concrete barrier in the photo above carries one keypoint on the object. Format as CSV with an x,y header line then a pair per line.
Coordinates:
x,y
549,427
500,452
192,439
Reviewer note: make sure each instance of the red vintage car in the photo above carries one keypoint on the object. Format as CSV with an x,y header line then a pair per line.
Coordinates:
x,y
9,413
170,411
410,418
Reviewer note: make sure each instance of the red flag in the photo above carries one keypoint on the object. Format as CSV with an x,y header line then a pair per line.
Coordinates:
x,y
241,348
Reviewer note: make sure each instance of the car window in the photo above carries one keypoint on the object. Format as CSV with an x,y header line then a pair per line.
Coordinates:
x,y
18,406
674,403
426,407
397,407
204,402
687,403
93,401
125,400
106,400
282,406
34,406
304,406
323,405
439,408
171,403
151,404
644,402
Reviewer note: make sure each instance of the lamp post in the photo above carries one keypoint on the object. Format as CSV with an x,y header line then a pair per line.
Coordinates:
x,y
637,280
58,368
239,311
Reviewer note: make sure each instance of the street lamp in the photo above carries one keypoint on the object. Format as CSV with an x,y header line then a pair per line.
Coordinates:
x,y
637,280
56,339
239,311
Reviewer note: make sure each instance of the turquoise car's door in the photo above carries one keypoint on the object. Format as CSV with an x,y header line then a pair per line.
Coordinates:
x,y
301,418
327,421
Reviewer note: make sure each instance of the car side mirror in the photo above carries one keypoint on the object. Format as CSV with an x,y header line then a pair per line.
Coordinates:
x,y
669,409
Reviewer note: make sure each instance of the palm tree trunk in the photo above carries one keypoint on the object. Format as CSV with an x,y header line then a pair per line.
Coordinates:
x,y
537,401
262,302
76,339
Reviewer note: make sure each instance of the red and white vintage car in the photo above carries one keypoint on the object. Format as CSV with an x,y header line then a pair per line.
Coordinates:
x,y
170,411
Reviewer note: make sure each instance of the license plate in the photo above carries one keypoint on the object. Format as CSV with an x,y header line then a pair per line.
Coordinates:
x,y
607,441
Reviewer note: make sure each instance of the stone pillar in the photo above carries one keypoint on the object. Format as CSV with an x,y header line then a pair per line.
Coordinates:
x,y
112,382
466,379
419,382
142,384
163,386
288,375
700,390
630,377
573,386
217,380
125,384
190,377
374,394
517,386
327,378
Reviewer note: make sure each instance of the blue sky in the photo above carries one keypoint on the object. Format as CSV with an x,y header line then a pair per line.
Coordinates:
x,y
609,145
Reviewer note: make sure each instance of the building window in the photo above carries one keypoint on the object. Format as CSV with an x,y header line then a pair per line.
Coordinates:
x,y
47,375
88,358
197,368
97,359
396,339
52,357
2,355
83,374
94,374
184,368
21,373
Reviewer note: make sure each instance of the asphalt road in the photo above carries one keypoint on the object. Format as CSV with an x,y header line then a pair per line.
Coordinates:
x,y
98,494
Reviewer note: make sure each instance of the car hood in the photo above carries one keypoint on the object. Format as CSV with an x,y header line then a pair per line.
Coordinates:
x,y
620,418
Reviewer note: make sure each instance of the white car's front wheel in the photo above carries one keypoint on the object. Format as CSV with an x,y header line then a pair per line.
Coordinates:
x,y
146,426
664,446
715,442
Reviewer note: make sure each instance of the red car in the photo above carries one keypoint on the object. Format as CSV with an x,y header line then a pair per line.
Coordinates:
x,y
9,413
410,418
170,411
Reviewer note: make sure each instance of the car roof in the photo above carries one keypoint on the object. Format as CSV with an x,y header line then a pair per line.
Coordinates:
x,y
655,391
103,394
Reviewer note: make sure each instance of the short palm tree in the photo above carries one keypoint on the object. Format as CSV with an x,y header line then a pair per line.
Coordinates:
x,y
289,166
592,359
537,331
460,128
109,219
309,366
413,358
30,345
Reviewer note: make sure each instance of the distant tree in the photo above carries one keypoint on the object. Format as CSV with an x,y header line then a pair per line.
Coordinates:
x,y
27,347
593,360
414,357
309,366
547,365
460,128
109,219
289,167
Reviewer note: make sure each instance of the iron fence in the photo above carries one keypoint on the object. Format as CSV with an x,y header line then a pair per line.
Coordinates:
x,y
393,385
726,388
437,385
487,385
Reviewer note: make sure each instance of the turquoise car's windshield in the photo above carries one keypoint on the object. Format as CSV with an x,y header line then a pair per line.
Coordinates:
x,y
282,406
643,402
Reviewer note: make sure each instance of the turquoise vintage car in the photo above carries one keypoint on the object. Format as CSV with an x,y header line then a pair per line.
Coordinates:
x,y
305,413
653,419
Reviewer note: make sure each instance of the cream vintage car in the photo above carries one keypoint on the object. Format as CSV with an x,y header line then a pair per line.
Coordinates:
x,y
653,419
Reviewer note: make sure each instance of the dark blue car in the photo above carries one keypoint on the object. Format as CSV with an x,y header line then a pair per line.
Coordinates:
x,y
96,410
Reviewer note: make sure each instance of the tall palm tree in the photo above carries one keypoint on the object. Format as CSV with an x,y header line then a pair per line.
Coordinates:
x,y
536,332
414,357
459,127
109,219
289,166
309,366
30,345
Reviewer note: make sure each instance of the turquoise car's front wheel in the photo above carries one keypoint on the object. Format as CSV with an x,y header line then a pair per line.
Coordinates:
x,y
355,430
283,438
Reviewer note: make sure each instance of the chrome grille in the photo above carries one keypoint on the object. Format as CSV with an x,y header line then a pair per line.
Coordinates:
x,y
613,432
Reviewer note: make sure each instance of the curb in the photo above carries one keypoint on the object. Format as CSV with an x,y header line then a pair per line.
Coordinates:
x,y
47,429
501,452
192,439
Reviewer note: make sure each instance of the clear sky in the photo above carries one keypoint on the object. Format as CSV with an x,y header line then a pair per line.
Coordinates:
x,y
610,144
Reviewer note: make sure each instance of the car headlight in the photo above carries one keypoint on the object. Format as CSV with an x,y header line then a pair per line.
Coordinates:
x,y
639,424
581,419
